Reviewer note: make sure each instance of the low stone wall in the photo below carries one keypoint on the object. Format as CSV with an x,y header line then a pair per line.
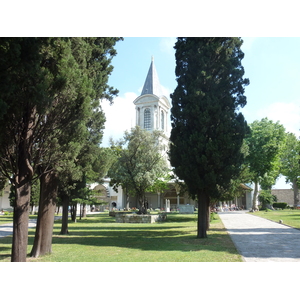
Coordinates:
x,y
134,218
284,195
113,213
186,209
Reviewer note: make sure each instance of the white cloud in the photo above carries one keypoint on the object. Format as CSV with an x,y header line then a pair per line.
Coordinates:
x,y
286,113
120,116
248,43
167,45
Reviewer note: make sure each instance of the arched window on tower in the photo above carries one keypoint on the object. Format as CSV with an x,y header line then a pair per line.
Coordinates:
x,y
147,119
162,121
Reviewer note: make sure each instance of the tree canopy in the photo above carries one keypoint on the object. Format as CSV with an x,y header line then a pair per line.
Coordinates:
x,y
139,164
265,141
290,163
207,131
48,89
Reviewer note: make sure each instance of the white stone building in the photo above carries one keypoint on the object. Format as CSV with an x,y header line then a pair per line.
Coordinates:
x,y
4,199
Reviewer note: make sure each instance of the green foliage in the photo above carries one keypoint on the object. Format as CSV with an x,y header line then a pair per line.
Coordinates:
x,y
281,205
56,84
213,216
290,158
266,198
139,163
50,91
207,131
160,184
265,142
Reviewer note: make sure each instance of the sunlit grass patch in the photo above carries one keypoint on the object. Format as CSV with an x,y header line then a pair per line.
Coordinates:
x,y
99,238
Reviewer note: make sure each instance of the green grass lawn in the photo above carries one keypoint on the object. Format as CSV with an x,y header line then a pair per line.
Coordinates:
x,y
288,216
5,219
98,238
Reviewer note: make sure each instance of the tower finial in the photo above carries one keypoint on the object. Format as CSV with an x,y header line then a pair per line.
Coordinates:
x,y
152,58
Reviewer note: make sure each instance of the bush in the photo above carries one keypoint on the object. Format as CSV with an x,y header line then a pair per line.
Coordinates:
x,y
281,205
266,198
212,216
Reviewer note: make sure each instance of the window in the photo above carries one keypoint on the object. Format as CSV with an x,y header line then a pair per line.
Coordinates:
x,y
147,119
162,120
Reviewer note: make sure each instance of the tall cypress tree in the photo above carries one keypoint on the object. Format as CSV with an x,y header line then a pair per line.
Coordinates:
x,y
207,131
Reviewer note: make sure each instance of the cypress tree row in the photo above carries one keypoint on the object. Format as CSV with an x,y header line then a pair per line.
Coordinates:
x,y
49,90
207,129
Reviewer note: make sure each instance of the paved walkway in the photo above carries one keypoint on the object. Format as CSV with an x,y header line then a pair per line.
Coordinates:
x,y
7,229
261,240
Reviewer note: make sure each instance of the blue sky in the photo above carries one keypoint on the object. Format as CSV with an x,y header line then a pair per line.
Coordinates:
x,y
271,64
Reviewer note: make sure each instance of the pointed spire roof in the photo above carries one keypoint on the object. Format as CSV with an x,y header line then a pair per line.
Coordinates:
x,y
152,85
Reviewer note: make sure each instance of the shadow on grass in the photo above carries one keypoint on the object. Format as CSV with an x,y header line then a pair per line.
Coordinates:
x,y
214,242
168,236
178,234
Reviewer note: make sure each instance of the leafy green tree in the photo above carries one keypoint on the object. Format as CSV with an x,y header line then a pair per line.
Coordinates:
x,y
139,164
90,60
235,188
49,86
265,142
28,83
91,165
290,166
207,131
266,198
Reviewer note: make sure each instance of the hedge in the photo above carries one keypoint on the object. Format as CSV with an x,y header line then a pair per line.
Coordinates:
x,y
281,205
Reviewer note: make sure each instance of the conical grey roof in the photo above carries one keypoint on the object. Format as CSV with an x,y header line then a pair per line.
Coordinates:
x,y
152,85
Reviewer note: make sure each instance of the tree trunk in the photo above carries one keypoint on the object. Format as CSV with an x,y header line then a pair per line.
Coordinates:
x,y
296,193
127,199
143,207
22,181
203,214
74,212
65,215
84,210
255,194
47,204
20,223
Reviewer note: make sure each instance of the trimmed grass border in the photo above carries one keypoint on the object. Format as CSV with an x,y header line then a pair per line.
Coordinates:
x,y
98,238
289,217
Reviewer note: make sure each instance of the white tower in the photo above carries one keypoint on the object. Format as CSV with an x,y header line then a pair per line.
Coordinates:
x,y
152,108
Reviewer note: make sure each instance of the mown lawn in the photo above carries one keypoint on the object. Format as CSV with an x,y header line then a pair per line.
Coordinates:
x,y
288,216
98,238
5,219
8,218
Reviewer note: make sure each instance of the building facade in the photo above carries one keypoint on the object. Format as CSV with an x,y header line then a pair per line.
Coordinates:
x,y
4,199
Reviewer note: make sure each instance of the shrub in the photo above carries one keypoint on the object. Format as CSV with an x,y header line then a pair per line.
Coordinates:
x,y
266,198
281,205
212,216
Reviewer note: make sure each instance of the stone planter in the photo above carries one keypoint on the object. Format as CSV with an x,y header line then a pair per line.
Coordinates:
x,y
134,218
113,213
